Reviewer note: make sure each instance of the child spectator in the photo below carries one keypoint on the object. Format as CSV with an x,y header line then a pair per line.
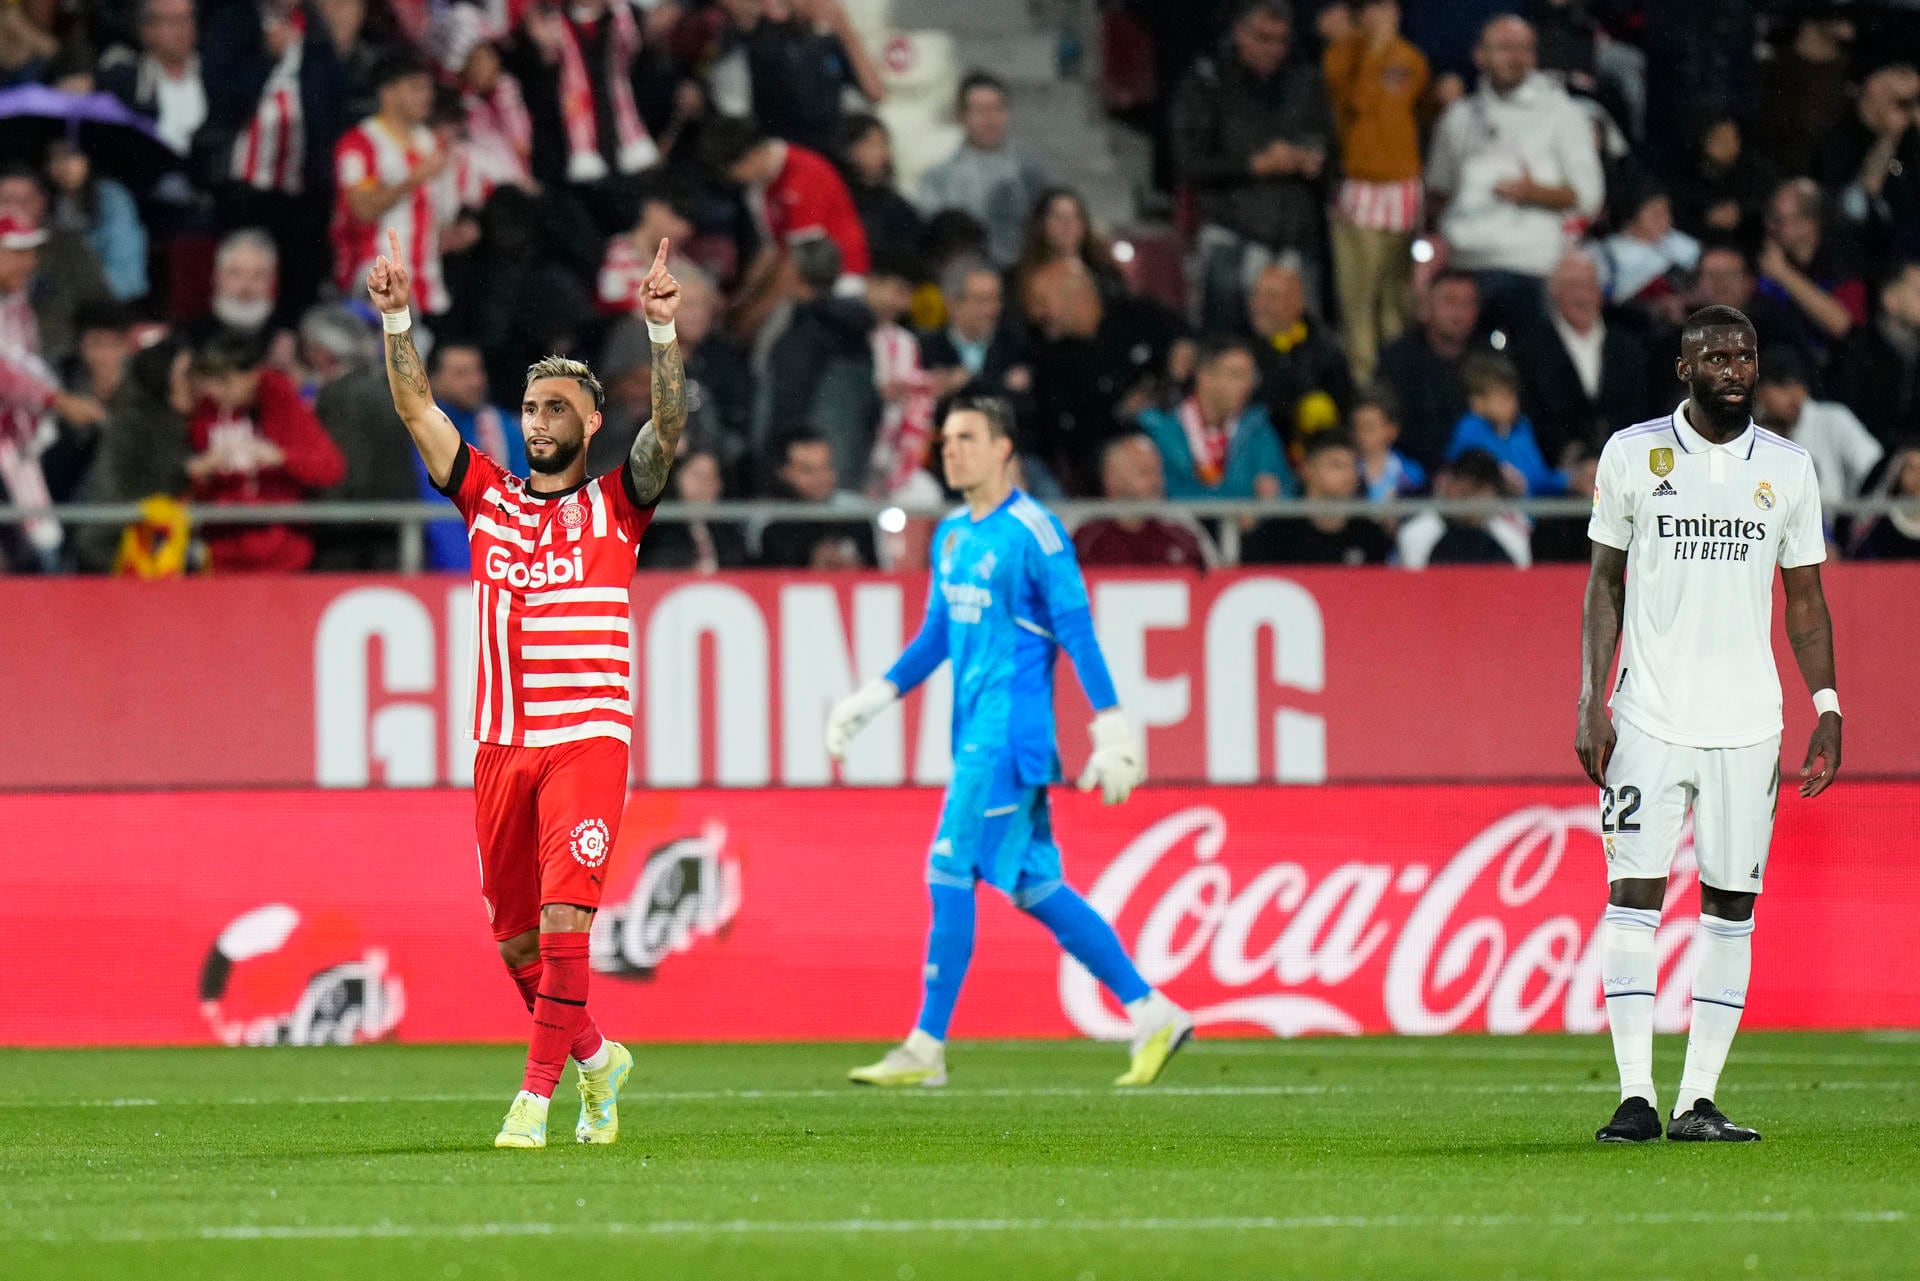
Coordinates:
x,y
1494,423
1385,472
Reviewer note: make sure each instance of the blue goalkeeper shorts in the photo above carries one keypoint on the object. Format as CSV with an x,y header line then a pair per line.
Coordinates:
x,y
993,829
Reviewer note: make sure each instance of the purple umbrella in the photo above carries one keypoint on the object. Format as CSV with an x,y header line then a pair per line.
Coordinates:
x,y
116,138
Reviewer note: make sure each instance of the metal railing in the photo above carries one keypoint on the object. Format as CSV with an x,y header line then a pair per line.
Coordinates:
x,y
409,518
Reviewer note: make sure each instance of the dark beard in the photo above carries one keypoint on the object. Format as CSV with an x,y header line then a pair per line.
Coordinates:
x,y
564,452
1726,420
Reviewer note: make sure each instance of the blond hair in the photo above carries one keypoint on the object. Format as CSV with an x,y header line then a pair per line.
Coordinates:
x,y
562,367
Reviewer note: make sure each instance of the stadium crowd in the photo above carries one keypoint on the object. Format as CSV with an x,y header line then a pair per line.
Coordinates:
x,y
1452,271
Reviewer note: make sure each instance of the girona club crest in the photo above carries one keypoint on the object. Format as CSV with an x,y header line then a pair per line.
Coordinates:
x,y
590,842
572,515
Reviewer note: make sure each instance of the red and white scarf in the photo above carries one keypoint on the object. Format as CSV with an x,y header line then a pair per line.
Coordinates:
x,y
1207,444
270,153
906,425
636,151
499,139
27,387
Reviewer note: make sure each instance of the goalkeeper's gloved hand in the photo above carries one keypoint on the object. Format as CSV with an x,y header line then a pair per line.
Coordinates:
x,y
851,714
1118,764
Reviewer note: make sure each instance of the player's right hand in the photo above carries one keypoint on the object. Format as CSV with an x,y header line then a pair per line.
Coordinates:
x,y
1593,743
1118,764
388,283
851,714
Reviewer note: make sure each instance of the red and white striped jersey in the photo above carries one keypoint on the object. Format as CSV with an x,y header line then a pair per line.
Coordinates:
x,y
553,647
370,154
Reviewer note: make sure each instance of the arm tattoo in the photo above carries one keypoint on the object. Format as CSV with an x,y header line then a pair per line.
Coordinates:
x,y
404,369
654,448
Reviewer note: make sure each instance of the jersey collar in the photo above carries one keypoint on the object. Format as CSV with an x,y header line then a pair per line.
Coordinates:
x,y
1013,496
1692,442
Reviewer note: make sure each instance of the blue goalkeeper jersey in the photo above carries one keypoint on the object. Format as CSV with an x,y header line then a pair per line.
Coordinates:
x,y
1005,597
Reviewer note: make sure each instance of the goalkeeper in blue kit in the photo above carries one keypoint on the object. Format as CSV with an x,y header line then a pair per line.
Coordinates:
x,y
1006,596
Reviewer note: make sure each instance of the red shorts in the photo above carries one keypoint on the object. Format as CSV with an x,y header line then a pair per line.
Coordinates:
x,y
546,818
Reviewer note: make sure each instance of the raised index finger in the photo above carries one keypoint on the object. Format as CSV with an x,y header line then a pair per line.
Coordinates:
x,y
393,243
660,259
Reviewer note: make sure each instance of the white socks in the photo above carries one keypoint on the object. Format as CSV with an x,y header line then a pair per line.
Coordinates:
x,y
925,1047
537,1098
1723,957
597,1060
1629,974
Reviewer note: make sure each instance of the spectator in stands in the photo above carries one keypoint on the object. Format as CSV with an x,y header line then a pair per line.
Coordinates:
x,y
458,372
575,65
1869,163
629,255
1801,268
1423,366
66,275
950,235
144,445
1329,470
703,546
29,52
1878,373
246,279
975,354
1724,189
1059,228
904,432
1725,278
1510,165
103,211
1252,137
333,341
1896,535
1498,539
1130,471
497,150
797,196
1844,452
522,304
1385,472
1583,379
254,441
1096,365
1304,381
819,372
93,373
802,58
1217,443
991,176
807,475
720,380
1495,425
352,401
161,79
1647,264
864,152
1803,90
1564,538
1377,82
385,169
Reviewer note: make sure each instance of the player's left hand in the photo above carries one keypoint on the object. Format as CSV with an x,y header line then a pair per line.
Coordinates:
x,y
660,292
1824,748
1118,764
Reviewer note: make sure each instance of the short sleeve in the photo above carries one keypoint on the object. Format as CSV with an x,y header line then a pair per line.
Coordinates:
x,y
473,474
1804,540
1612,519
351,169
629,512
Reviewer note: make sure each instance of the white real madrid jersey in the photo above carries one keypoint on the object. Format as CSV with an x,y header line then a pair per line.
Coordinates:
x,y
1703,527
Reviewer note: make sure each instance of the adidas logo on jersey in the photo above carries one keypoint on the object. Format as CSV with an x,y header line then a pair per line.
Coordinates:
x,y
1666,490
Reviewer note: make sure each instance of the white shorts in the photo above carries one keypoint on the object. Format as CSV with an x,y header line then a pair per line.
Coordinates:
x,y
1652,784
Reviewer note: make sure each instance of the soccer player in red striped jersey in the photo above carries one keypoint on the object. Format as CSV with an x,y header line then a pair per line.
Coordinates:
x,y
553,558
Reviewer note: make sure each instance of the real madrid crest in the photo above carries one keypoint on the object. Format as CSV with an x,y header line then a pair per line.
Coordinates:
x,y
1660,461
1763,497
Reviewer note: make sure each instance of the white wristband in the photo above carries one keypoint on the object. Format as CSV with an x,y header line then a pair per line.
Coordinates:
x,y
397,322
1825,700
660,333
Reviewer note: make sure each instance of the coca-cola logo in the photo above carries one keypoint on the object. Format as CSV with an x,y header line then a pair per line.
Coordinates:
x,y
1498,936
277,976
688,889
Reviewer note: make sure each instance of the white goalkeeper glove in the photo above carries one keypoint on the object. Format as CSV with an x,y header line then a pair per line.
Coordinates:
x,y
1118,764
851,714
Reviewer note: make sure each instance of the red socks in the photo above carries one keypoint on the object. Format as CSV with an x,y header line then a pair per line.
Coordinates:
x,y
559,1010
587,1041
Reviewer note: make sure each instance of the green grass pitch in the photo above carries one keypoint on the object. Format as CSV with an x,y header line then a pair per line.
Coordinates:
x,y
1460,1157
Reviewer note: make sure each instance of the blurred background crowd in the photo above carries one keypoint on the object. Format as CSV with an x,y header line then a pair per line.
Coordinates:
x,y
1344,250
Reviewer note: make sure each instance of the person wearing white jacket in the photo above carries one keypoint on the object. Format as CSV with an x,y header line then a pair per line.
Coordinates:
x,y
1513,169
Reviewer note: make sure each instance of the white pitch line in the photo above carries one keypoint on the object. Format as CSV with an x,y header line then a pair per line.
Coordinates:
x,y
841,1227
963,1092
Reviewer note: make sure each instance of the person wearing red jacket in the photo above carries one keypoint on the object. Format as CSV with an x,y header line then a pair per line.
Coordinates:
x,y
254,441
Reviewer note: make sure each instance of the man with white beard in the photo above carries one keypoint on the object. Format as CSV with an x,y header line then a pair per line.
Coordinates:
x,y
246,280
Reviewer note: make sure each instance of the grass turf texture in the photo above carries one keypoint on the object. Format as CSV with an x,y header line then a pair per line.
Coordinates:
x,y
1459,1157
